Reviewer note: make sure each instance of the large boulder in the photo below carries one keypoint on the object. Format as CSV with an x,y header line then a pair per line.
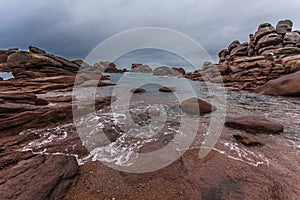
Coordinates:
x,y
140,68
254,124
291,39
263,29
268,40
196,106
165,71
287,85
284,26
179,70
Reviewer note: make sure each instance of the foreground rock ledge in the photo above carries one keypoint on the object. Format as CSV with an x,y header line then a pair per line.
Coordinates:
x,y
253,123
36,176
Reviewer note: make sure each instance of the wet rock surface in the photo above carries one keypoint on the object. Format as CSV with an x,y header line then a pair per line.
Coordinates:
x,y
187,178
254,124
25,173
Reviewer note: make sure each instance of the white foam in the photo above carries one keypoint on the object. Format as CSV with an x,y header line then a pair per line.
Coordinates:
x,y
244,155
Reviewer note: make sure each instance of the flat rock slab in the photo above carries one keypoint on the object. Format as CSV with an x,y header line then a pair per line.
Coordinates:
x,y
253,123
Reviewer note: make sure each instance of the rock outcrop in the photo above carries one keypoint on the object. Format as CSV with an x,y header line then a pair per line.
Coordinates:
x,y
140,68
166,71
269,54
35,64
108,67
23,107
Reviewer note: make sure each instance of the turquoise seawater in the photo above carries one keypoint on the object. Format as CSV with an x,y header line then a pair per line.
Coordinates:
x,y
6,75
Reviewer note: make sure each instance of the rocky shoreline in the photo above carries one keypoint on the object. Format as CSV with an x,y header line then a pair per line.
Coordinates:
x,y
42,156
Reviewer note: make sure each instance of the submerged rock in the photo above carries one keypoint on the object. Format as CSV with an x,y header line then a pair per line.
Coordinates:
x,y
196,106
254,124
166,89
138,90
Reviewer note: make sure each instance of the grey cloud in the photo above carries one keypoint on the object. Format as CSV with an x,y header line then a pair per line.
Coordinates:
x,y
72,28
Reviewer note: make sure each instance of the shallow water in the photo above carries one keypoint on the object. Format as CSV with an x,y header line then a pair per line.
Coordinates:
x,y
6,75
164,112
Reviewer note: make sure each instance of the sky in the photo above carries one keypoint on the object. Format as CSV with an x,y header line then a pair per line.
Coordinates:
x,y
73,28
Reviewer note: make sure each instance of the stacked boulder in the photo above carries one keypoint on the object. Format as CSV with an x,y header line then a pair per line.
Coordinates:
x,y
270,53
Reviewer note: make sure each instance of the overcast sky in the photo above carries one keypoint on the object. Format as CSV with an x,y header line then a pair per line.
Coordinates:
x,y
72,28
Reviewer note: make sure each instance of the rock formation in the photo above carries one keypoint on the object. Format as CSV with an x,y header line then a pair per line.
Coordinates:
x,y
166,71
140,68
270,53
25,175
108,67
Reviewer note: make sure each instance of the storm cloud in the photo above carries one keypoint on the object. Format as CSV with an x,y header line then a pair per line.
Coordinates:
x,y
72,28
